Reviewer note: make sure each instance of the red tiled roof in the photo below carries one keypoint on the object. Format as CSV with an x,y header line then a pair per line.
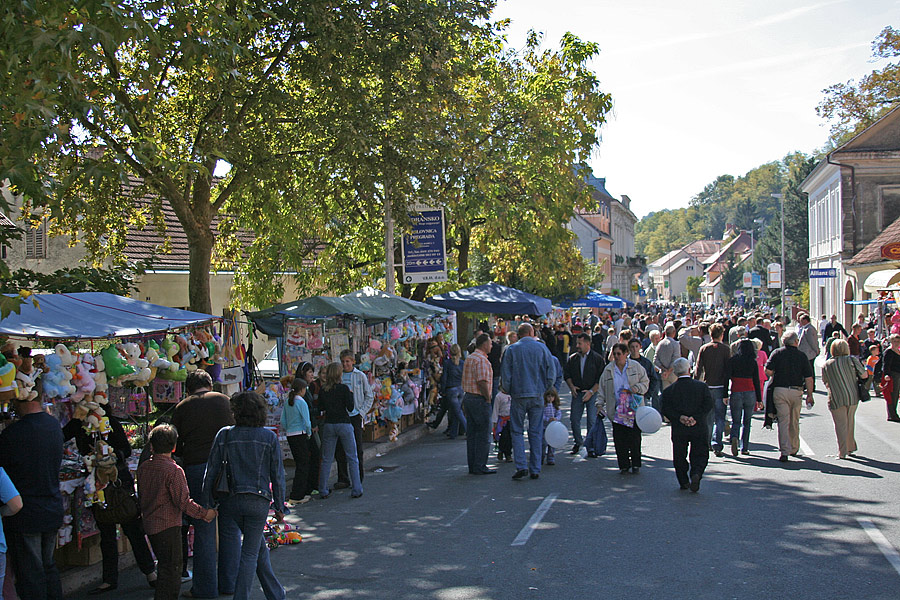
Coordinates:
x,y
871,253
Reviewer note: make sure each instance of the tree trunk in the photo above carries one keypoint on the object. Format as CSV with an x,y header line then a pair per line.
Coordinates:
x,y
200,244
420,292
462,260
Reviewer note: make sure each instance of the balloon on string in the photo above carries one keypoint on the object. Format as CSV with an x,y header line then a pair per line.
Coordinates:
x,y
647,419
556,434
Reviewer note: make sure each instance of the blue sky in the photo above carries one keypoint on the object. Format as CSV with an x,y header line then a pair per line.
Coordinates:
x,y
703,88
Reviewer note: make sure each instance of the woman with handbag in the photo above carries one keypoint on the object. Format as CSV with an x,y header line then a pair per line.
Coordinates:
x,y
842,374
127,514
245,474
745,393
622,384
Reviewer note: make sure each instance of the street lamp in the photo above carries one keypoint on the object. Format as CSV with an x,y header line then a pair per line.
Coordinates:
x,y
783,274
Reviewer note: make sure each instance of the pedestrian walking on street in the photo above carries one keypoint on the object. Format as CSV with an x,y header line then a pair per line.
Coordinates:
x,y
198,419
808,342
335,404
551,413
840,375
297,427
363,399
745,393
790,371
651,398
451,388
891,368
527,371
255,472
622,385
582,373
666,352
710,368
477,379
686,404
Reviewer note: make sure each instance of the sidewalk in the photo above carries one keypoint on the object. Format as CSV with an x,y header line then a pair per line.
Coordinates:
x,y
75,579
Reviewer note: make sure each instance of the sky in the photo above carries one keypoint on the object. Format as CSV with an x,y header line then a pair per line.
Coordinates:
x,y
703,88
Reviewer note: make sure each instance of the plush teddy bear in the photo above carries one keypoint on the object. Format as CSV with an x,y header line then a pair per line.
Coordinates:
x,y
140,366
25,383
57,381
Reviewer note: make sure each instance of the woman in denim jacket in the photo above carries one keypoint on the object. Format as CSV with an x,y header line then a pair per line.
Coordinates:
x,y
256,482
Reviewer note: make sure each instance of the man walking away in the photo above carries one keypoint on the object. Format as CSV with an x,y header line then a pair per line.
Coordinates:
x,y
686,404
477,379
808,342
582,375
527,371
666,352
710,369
790,371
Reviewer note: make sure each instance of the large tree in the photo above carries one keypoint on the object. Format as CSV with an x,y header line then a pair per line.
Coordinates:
x,y
97,94
852,106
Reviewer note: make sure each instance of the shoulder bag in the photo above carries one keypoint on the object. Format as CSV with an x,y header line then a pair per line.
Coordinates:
x,y
222,487
120,504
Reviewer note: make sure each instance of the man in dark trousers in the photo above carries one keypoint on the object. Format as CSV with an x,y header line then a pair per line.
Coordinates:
x,y
686,403
582,373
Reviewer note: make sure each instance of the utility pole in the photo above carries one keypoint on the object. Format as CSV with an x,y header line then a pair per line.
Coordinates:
x,y
783,277
389,274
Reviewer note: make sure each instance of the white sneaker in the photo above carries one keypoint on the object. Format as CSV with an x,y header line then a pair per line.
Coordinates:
x,y
186,578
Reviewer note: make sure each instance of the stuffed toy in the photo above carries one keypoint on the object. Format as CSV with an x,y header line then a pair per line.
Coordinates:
x,y
115,366
57,381
316,342
83,380
169,349
140,367
98,370
8,388
65,355
193,357
25,383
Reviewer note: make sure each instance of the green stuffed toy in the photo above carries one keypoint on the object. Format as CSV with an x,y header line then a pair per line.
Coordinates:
x,y
115,365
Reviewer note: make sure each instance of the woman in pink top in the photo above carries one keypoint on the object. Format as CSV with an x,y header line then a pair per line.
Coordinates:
x,y
761,358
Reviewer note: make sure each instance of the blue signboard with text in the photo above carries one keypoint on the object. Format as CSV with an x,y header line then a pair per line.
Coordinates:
x,y
424,251
822,273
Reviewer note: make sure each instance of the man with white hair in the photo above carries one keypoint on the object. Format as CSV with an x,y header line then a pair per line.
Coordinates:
x,y
686,403
666,352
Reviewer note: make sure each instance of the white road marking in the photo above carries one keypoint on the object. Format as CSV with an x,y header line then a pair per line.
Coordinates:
x,y
463,513
805,449
874,432
890,553
534,521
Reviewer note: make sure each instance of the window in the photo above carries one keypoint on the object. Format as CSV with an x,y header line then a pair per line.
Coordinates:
x,y
36,241
890,205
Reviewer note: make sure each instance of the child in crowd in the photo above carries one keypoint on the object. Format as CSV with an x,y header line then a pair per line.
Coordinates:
x,y
502,433
296,425
551,413
873,366
164,496
10,504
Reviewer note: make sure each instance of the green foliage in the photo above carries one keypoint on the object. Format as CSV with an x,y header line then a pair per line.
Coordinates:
x,y
13,303
851,107
804,295
732,277
116,280
693,287
745,202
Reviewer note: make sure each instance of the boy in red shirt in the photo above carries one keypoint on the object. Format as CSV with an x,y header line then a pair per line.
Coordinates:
x,y
164,496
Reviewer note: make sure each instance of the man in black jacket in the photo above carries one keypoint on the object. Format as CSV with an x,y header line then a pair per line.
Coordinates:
x,y
582,373
763,333
686,404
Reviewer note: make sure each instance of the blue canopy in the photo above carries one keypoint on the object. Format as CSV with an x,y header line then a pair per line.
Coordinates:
x,y
598,300
95,315
493,298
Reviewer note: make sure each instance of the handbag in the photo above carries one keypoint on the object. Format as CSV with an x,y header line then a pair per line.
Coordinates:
x,y
597,439
120,506
222,485
862,390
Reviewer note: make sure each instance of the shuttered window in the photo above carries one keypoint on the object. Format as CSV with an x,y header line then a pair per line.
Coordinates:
x,y
36,241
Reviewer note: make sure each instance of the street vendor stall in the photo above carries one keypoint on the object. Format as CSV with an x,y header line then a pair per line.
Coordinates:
x,y
87,355
386,334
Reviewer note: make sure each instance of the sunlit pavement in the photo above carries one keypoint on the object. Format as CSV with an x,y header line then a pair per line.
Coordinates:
x,y
817,527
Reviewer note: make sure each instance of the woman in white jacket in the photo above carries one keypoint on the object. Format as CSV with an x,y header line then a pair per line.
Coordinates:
x,y
622,385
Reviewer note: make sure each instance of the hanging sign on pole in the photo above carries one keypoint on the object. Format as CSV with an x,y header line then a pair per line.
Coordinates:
x,y
424,250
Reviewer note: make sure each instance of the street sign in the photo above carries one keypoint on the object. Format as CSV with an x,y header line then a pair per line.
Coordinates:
x,y
891,251
822,273
642,292
755,280
424,251
748,279
773,275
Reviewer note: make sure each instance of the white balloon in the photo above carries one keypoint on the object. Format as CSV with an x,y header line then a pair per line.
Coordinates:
x,y
556,434
647,419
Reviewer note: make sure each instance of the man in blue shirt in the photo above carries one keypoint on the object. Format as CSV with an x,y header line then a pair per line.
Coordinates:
x,y
527,371
31,452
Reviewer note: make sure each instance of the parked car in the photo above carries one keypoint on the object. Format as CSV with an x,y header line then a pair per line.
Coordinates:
x,y
268,366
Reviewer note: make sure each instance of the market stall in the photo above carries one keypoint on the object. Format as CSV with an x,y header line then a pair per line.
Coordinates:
x,y
88,355
386,334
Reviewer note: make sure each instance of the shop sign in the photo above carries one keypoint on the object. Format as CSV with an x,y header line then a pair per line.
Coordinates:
x,y
822,273
424,250
773,274
891,251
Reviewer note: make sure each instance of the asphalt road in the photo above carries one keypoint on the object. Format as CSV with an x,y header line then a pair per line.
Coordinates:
x,y
426,529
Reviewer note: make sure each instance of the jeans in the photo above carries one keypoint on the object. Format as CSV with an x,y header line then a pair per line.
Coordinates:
x,y
31,557
211,569
356,422
578,406
533,409
109,549
742,404
167,547
495,387
299,445
715,419
246,514
331,433
478,443
457,419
